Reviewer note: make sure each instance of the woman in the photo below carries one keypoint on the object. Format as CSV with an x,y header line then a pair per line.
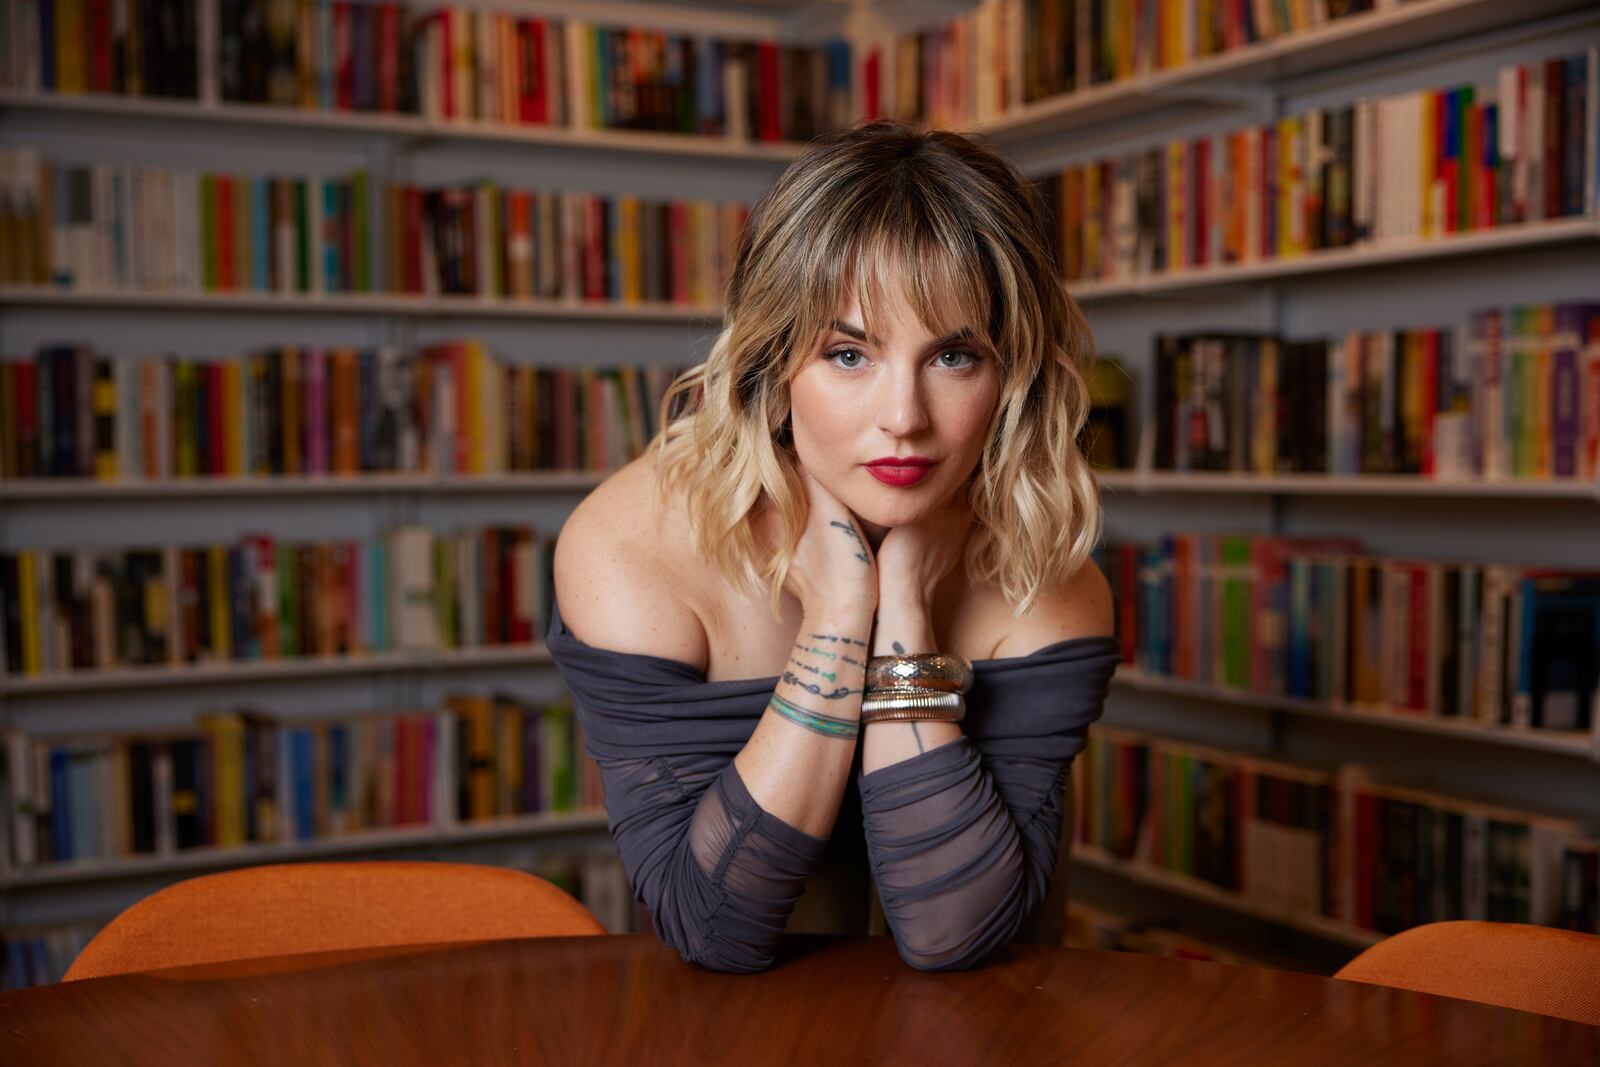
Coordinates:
x,y
876,460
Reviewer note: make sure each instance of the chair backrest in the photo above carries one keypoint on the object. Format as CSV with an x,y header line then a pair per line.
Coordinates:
x,y
1512,965
281,909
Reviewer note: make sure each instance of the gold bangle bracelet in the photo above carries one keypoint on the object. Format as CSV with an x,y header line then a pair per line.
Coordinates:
x,y
910,698
913,715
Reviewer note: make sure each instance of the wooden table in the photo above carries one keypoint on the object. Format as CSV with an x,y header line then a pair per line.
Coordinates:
x,y
630,1000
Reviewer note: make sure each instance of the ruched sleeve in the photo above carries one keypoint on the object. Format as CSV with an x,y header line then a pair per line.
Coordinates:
x,y
718,874
963,838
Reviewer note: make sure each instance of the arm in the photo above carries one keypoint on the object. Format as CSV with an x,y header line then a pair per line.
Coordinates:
x,y
964,833
717,841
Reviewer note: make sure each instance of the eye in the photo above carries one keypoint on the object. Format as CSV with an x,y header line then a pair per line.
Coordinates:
x,y
841,353
973,359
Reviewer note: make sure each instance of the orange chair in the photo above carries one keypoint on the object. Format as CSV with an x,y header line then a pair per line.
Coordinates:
x,y
1512,965
291,908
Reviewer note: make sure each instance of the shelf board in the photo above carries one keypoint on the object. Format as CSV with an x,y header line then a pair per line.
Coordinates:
x,y
1341,485
1323,48
1199,889
57,489
1476,242
557,481
407,305
162,677
404,126
1562,742
202,859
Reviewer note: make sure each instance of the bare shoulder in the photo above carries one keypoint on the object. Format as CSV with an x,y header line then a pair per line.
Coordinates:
x,y
615,576
1077,607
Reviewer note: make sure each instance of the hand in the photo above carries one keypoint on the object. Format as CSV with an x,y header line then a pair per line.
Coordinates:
x,y
833,566
913,559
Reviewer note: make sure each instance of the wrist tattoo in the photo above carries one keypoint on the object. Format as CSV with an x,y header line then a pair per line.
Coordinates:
x,y
827,725
851,530
838,694
817,651
829,675
840,640
854,662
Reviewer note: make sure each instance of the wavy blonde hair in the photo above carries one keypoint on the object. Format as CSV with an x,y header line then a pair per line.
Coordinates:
x,y
963,232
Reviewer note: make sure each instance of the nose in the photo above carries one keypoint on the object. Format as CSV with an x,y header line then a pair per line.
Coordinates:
x,y
902,409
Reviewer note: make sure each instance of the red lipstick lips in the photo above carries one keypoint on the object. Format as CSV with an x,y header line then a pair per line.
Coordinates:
x,y
900,471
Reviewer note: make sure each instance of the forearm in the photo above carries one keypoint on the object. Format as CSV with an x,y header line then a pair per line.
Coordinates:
x,y
794,772
903,627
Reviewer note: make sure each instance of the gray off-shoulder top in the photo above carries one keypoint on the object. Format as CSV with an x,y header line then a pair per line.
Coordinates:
x,y
961,839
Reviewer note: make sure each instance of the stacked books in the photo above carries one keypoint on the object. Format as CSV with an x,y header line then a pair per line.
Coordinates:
x,y
262,598
1396,170
1494,643
244,777
126,47
450,408
455,64
1004,54
1328,844
111,227
1514,393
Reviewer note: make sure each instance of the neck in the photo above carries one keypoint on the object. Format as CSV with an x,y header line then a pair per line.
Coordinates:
x,y
875,533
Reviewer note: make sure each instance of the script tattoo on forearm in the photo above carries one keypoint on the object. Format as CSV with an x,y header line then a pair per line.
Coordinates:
x,y
817,651
838,694
840,640
851,530
831,676
854,662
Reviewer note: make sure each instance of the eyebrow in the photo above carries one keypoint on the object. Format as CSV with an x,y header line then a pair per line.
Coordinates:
x,y
963,334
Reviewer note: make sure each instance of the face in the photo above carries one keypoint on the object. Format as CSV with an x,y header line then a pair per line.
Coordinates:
x,y
907,394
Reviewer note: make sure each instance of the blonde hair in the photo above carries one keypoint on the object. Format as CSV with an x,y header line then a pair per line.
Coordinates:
x,y
963,232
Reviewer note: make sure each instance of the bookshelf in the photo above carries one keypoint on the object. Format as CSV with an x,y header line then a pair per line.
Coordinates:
x,y
1415,45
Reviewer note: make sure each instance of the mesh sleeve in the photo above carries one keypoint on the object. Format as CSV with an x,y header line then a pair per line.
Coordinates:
x,y
718,874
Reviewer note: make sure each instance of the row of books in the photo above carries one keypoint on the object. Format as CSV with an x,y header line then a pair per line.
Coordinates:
x,y
1514,392
41,956
447,408
262,598
128,47
245,777
38,956
1412,166
1003,54
1315,618
1331,844
109,226
451,63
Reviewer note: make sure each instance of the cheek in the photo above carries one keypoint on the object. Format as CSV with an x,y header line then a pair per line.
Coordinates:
x,y
966,414
821,417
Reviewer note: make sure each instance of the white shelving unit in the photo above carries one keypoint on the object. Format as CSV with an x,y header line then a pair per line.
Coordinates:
x,y
1415,45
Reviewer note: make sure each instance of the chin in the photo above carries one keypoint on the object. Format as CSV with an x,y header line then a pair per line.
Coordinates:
x,y
882,505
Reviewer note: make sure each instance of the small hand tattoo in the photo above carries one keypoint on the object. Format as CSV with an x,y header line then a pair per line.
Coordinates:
x,y
899,649
851,530
837,694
